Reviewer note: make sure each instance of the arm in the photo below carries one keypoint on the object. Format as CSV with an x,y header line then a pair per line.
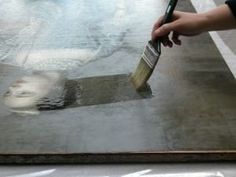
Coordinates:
x,y
190,24
220,18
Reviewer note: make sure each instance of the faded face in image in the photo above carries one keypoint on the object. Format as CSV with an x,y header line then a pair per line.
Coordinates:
x,y
27,92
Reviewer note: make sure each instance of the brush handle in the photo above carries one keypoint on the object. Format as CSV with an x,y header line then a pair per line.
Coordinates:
x,y
169,11
166,19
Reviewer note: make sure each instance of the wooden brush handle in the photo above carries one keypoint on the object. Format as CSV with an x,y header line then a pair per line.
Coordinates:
x,y
169,11
166,19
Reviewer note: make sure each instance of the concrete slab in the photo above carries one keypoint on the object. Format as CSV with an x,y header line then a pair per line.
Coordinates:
x,y
190,116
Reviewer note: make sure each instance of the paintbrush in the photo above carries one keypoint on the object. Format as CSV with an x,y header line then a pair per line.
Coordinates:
x,y
150,55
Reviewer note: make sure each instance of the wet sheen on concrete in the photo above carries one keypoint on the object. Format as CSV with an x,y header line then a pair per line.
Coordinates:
x,y
94,91
194,93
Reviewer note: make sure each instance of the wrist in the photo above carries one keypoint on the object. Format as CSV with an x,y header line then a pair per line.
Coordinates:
x,y
205,22
220,18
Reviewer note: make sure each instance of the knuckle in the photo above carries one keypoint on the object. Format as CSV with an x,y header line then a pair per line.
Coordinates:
x,y
164,27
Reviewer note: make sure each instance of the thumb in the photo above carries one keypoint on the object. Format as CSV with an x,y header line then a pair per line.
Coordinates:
x,y
163,30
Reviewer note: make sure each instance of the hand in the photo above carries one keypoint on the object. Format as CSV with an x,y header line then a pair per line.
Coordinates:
x,y
186,24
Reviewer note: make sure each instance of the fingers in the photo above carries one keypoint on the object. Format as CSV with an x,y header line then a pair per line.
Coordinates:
x,y
162,31
175,38
166,41
157,24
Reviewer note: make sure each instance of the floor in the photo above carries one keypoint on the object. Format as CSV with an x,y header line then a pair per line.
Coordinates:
x,y
223,39
145,170
227,49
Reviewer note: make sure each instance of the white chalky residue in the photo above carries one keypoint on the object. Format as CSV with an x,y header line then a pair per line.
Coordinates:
x,y
22,41
53,59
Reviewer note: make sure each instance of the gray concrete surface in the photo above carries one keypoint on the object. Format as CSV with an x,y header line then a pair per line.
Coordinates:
x,y
194,97
228,170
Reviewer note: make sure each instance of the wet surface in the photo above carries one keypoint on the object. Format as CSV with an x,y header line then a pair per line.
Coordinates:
x,y
51,90
104,90
192,107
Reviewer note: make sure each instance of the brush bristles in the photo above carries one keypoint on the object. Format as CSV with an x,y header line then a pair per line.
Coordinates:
x,y
141,75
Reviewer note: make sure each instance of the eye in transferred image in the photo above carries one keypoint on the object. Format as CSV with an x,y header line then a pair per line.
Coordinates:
x,y
8,93
24,94
15,85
